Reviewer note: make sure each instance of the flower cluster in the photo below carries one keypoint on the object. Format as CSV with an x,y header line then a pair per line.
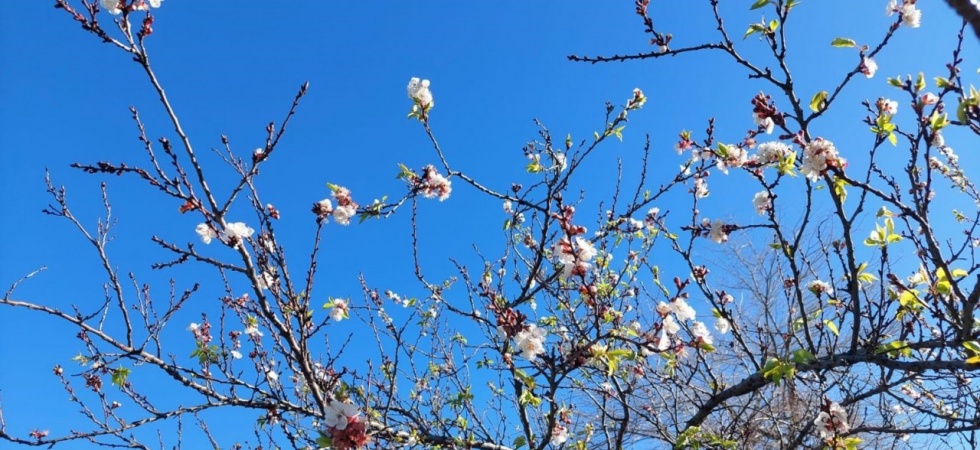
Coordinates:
x,y
234,233
869,67
719,231
764,113
346,428
832,421
673,314
433,184
730,156
574,258
339,310
346,206
819,287
770,153
911,17
117,6
818,157
530,341
418,91
762,202
887,106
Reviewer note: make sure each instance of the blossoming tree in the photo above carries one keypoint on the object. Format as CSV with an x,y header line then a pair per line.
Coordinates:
x,y
832,331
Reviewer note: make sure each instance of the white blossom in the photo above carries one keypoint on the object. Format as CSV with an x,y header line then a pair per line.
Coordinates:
x,y
338,310
911,17
772,152
205,232
418,90
338,414
342,214
764,121
869,67
701,332
531,341
253,331
559,435
670,326
682,310
112,6
723,325
820,287
272,376
762,202
238,230
888,106
818,156
832,422
717,233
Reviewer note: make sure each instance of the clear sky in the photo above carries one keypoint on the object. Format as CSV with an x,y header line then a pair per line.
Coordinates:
x,y
231,67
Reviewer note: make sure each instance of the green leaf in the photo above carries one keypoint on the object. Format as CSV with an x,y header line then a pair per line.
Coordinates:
x,y
519,442
119,377
897,82
819,101
759,4
920,82
832,327
942,83
892,139
839,184
754,28
773,24
972,346
843,42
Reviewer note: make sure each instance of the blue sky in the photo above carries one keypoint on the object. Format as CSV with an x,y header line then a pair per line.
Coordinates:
x,y
231,67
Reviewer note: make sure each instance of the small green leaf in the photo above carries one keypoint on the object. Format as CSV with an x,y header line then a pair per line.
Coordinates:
x,y
754,28
920,82
819,101
119,377
519,442
843,42
759,4
832,327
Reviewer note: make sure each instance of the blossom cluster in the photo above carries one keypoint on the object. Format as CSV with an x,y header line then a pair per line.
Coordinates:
x,y
118,6
346,206
910,15
832,421
234,233
574,258
433,184
819,156
530,341
346,427
418,91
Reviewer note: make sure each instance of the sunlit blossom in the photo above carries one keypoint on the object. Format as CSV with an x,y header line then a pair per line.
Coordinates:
x,y
339,310
205,232
832,422
723,325
762,202
531,341
682,310
719,232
